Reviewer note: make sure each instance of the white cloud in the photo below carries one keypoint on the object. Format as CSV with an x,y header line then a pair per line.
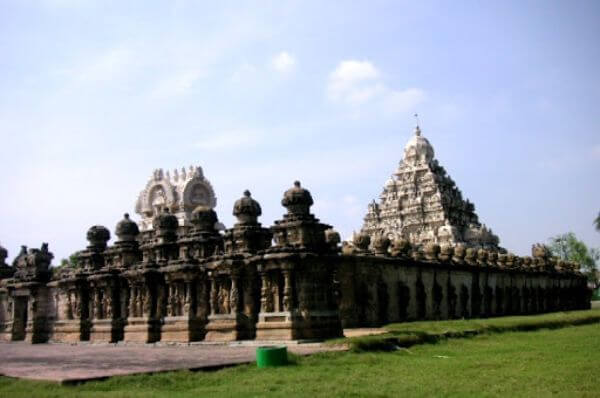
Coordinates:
x,y
353,82
359,82
283,62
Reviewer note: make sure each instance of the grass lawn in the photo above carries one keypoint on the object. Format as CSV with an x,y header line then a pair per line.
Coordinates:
x,y
562,361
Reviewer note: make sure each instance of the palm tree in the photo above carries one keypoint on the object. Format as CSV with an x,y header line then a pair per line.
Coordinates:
x,y
597,222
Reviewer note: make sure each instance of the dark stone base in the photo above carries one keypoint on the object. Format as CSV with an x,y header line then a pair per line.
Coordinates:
x,y
317,325
182,330
70,331
228,327
106,331
142,330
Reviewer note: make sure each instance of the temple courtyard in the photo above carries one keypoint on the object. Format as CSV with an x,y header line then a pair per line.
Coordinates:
x,y
68,364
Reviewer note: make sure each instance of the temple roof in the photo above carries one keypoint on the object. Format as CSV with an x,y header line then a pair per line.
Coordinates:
x,y
421,203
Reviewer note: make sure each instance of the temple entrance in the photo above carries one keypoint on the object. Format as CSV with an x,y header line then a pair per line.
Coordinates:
x,y
19,318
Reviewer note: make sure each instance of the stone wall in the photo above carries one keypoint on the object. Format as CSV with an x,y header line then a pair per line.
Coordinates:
x,y
290,281
374,290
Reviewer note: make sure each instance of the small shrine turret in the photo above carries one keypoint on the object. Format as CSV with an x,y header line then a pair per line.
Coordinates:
x,y
299,228
247,235
92,258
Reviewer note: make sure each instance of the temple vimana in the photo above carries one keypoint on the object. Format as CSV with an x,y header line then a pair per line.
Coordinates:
x,y
178,275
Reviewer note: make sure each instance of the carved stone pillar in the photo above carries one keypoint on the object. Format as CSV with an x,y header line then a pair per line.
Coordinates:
x,y
67,308
139,301
97,304
234,295
287,290
147,303
265,294
124,302
171,300
108,303
213,295
132,296
187,304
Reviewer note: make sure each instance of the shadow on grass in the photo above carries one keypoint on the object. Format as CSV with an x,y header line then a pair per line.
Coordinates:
x,y
397,339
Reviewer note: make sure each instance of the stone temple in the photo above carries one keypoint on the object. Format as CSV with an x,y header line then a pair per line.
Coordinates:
x,y
177,276
422,204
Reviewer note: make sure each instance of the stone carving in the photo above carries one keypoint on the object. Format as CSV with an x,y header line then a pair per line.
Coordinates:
x,y
380,244
126,229
181,193
98,235
361,241
421,203
33,264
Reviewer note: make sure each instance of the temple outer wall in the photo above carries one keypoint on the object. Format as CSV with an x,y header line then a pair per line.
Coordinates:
x,y
374,290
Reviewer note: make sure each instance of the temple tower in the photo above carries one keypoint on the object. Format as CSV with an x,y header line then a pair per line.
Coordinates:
x,y
180,192
422,204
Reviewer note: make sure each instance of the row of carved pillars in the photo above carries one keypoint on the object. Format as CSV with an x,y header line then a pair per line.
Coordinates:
x,y
462,300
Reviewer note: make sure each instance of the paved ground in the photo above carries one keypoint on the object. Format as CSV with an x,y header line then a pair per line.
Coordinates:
x,y
74,363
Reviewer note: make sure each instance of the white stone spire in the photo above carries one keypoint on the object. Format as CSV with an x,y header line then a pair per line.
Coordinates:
x,y
421,203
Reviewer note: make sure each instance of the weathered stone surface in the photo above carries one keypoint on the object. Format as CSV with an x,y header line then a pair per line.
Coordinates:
x,y
181,192
422,204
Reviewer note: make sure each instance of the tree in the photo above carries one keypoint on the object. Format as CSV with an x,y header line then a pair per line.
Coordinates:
x,y
568,247
74,260
597,222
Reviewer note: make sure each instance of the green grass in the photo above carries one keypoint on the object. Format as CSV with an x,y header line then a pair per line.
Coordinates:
x,y
563,362
411,333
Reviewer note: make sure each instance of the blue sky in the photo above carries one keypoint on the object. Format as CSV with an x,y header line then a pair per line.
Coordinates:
x,y
96,94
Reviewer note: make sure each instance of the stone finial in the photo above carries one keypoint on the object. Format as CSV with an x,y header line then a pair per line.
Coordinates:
x,y
540,251
446,252
502,257
470,256
482,256
332,237
381,243
492,258
204,219
431,251
297,200
361,241
246,209
98,236
127,230
459,253
416,253
165,223
401,247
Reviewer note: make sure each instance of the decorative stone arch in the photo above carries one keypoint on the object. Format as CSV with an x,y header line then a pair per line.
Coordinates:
x,y
147,196
198,192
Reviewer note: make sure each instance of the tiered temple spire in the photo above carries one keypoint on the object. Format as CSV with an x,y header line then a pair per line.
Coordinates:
x,y
422,204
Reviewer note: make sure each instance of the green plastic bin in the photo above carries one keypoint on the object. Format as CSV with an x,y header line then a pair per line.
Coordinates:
x,y
269,356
